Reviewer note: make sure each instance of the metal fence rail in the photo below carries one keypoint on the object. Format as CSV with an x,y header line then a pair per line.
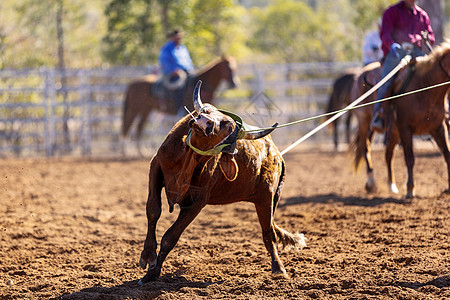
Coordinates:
x,y
46,112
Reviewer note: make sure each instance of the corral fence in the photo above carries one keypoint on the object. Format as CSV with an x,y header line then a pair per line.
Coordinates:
x,y
47,112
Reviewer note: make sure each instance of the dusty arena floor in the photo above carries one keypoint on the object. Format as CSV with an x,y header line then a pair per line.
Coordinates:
x,y
74,228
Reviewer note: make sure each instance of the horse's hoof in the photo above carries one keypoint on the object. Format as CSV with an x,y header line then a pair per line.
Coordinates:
x,y
371,188
371,184
140,283
393,188
409,195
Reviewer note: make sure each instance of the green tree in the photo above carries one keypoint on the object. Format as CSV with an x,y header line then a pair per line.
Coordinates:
x,y
133,29
291,31
29,38
137,29
369,11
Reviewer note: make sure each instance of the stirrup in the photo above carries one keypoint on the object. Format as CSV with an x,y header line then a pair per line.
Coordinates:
x,y
377,124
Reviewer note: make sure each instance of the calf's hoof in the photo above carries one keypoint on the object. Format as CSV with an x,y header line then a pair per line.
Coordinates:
x,y
152,275
142,263
279,273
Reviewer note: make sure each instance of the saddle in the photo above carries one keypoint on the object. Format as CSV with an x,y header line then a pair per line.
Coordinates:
x,y
167,93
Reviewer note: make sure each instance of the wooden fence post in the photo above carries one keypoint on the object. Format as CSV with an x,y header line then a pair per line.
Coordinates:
x,y
49,104
85,94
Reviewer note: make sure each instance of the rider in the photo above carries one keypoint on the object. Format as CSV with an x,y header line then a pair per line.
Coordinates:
x,y
400,34
371,49
176,64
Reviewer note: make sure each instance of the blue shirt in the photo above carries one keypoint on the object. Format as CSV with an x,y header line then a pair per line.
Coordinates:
x,y
173,57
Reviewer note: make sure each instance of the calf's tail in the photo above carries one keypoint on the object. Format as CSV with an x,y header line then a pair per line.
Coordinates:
x,y
285,238
289,240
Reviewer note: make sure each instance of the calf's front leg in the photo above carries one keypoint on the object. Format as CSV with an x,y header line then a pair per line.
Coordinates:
x,y
171,237
153,211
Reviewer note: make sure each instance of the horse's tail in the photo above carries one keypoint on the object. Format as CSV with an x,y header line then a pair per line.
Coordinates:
x,y
330,106
126,124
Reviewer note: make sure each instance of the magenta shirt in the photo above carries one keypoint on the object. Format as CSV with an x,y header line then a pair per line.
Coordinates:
x,y
400,24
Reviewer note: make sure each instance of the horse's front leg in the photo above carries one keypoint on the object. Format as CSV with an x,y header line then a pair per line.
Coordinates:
x,y
336,134
371,185
407,143
171,237
441,138
389,153
348,128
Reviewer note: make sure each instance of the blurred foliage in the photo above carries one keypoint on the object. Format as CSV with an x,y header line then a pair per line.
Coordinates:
x,y
130,32
292,31
369,11
28,35
137,29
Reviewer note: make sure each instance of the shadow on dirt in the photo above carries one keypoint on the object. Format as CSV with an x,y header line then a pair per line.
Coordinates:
x,y
439,282
346,200
131,290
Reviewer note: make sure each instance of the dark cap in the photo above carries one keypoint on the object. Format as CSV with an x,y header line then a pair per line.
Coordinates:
x,y
174,33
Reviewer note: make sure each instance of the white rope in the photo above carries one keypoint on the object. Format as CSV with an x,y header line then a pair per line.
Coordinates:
x,y
405,60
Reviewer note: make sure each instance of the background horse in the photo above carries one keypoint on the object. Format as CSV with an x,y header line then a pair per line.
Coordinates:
x,y
140,101
340,98
420,113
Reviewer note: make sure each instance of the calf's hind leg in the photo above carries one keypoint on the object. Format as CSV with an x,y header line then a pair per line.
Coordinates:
x,y
265,217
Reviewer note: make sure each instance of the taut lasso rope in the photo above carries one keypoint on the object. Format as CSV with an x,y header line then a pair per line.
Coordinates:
x,y
405,60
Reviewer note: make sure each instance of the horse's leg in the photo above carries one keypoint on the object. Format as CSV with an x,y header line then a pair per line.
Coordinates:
x,y
371,185
347,127
170,238
336,134
265,216
389,153
440,135
140,129
407,143
153,210
129,114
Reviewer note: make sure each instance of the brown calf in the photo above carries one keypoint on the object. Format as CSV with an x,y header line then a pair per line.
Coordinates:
x,y
212,160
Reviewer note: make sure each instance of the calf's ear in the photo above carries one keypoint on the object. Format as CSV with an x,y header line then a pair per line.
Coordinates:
x,y
228,166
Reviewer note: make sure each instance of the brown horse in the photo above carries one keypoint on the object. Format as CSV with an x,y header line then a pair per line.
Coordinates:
x,y
340,98
140,101
415,114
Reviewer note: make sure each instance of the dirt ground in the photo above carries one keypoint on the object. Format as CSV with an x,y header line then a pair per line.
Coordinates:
x,y
74,228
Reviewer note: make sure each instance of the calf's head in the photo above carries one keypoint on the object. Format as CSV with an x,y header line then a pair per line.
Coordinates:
x,y
214,131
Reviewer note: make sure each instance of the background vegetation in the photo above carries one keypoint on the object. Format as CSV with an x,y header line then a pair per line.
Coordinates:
x,y
96,33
